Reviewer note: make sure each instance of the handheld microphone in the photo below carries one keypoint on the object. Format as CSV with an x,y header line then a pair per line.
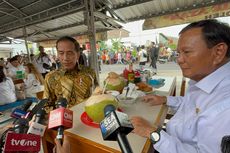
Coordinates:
x,y
61,118
115,127
21,125
37,126
18,140
22,142
36,108
20,112
225,144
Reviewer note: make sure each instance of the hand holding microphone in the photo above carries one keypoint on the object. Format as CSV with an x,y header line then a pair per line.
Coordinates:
x,y
37,127
65,148
61,118
18,140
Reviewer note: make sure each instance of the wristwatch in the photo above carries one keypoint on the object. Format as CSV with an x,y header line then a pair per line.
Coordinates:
x,y
155,136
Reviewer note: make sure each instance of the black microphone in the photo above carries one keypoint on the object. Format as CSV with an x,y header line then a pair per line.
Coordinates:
x,y
21,126
27,105
40,105
40,116
115,127
62,102
225,144
20,112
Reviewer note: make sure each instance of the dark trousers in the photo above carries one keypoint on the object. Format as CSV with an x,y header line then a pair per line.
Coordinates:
x,y
153,62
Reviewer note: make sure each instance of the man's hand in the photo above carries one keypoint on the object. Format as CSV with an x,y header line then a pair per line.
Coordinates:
x,y
142,127
154,99
65,148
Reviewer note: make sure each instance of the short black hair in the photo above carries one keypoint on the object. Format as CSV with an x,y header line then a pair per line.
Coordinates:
x,y
67,38
2,74
13,59
213,32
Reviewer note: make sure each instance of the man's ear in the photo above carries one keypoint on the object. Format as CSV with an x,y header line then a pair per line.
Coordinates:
x,y
220,51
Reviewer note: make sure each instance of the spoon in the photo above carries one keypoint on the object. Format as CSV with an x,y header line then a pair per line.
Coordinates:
x,y
127,90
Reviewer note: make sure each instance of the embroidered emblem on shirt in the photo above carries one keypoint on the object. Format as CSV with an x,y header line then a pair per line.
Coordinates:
x,y
197,110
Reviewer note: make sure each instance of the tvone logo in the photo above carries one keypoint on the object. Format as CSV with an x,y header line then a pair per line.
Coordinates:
x,y
68,116
23,142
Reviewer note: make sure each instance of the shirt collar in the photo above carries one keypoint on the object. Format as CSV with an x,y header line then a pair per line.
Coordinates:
x,y
208,83
74,71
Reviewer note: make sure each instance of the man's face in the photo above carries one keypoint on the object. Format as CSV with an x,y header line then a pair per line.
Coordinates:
x,y
15,63
195,59
67,54
41,49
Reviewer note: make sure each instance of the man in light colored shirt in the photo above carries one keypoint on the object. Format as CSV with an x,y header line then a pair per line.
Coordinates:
x,y
142,57
13,67
42,62
202,116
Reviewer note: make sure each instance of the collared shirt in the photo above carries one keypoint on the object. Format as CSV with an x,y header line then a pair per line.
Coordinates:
x,y
7,91
202,116
12,70
75,85
141,55
39,60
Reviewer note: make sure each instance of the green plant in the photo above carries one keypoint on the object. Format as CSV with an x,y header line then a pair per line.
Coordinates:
x,y
102,45
116,45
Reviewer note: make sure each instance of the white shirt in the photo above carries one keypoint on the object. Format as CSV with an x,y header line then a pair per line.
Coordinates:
x,y
32,85
12,71
38,62
7,91
141,55
202,117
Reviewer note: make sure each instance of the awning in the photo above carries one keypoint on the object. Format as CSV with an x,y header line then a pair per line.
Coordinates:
x,y
209,12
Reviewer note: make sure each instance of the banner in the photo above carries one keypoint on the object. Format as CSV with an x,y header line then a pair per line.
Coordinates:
x,y
209,12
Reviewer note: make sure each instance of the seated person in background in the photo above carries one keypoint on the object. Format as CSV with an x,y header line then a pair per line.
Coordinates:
x,y
72,81
33,80
202,115
13,66
7,89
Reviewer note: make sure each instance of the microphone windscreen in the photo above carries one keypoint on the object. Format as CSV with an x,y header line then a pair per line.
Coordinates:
x,y
225,144
61,102
26,106
108,109
37,107
40,116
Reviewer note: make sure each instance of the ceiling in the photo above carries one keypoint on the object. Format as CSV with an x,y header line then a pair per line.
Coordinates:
x,y
50,19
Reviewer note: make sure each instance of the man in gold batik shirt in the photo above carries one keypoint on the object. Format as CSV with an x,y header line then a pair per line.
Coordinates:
x,y
72,81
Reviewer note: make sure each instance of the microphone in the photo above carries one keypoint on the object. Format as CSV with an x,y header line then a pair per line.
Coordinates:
x,y
225,144
61,118
115,126
26,106
16,142
21,125
19,141
36,108
37,126
20,112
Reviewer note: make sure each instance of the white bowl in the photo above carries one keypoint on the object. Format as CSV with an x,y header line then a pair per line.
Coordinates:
x,y
130,99
113,92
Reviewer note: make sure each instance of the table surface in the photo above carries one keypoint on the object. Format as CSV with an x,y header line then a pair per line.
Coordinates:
x,y
139,108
